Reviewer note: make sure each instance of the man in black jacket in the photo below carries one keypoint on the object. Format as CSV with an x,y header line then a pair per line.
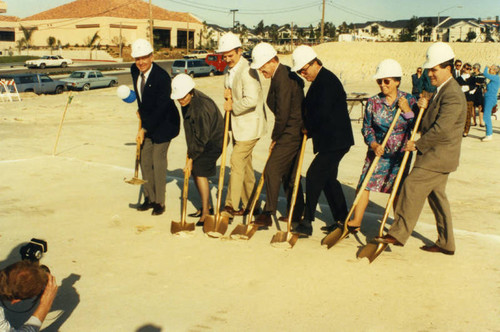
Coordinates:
x,y
284,99
160,123
327,122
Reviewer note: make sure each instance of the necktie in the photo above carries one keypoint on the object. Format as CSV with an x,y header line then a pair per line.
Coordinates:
x,y
143,84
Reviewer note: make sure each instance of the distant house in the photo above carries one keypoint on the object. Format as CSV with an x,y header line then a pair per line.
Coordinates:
x,y
75,22
8,26
452,30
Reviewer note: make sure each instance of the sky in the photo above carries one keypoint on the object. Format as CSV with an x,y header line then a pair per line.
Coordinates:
x,y
299,12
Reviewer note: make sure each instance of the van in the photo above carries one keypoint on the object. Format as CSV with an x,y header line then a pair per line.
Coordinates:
x,y
37,83
192,67
216,60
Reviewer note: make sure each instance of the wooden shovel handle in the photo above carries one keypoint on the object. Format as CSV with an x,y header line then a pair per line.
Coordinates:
x,y
399,176
185,188
296,183
222,165
259,187
137,154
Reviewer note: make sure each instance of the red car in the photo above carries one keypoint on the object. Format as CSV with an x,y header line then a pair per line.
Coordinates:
x,y
217,61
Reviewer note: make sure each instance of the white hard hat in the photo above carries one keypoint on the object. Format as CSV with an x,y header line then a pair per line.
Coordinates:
x,y
388,68
141,47
228,42
182,84
438,53
301,56
261,54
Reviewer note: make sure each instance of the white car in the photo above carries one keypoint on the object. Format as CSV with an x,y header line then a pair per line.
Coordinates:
x,y
49,61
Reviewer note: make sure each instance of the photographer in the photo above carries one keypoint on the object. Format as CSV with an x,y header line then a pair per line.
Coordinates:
x,y
25,280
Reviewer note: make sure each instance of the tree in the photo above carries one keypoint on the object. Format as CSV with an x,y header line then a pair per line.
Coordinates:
x,y
471,35
408,33
206,35
91,41
374,30
28,34
51,42
259,29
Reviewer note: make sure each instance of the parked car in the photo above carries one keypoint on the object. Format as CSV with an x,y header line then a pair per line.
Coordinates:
x,y
89,79
216,60
49,61
37,83
196,54
193,68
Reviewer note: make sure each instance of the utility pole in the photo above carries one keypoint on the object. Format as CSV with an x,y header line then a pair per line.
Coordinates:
x,y
121,40
151,39
234,13
322,38
187,37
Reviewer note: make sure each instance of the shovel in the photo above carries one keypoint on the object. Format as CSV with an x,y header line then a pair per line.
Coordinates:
x,y
372,250
183,226
135,179
288,239
216,226
341,233
245,232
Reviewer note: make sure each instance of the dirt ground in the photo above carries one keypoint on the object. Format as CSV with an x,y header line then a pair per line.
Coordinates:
x,y
122,270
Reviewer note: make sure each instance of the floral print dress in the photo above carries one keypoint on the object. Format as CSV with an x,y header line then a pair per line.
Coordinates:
x,y
377,119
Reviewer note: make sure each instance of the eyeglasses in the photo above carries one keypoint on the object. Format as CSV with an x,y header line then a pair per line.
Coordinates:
x,y
467,68
458,65
386,81
304,69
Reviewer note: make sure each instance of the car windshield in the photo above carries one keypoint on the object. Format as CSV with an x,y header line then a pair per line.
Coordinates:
x,y
179,63
77,74
45,57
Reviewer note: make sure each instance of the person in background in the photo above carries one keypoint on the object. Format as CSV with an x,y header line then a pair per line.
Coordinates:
x,y
490,99
438,154
379,114
204,129
480,86
417,81
22,281
467,84
243,95
285,100
327,122
160,123
457,68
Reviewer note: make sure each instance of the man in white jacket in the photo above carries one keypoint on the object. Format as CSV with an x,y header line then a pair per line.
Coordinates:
x,y
243,95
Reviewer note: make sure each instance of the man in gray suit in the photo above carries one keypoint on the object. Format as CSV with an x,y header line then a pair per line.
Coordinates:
x,y
438,152
243,95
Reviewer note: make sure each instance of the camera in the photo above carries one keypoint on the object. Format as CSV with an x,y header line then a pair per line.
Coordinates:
x,y
34,250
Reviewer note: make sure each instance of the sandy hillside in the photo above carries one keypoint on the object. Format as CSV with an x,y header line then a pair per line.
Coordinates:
x,y
122,270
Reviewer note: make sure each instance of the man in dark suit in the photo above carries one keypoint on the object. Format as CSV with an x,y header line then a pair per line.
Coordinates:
x,y
284,99
438,152
456,70
160,123
327,122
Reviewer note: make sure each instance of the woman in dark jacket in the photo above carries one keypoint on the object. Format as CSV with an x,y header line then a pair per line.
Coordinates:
x,y
204,130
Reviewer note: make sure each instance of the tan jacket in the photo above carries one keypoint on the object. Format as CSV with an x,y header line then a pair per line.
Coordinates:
x,y
248,120
442,127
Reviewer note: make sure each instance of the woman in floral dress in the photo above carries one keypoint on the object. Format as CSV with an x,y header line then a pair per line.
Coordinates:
x,y
379,114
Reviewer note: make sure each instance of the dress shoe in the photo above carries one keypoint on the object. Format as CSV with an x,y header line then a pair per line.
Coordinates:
x,y
256,211
158,209
198,213
240,212
435,248
264,219
283,218
388,239
146,205
303,228
200,223
329,228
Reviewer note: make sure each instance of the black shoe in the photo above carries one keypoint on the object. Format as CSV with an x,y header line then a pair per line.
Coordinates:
x,y
200,223
197,214
264,219
303,228
146,205
158,209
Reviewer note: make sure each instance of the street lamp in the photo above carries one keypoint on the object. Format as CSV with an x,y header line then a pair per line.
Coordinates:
x,y
437,26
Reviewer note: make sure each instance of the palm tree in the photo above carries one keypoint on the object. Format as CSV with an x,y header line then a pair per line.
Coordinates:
x,y
90,42
28,33
51,42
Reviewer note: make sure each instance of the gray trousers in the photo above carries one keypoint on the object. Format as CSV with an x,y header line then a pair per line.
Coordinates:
x,y
418,186
154,170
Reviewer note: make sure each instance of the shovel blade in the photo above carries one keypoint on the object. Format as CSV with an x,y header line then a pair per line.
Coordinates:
x,y
215,228
135,181
244,232
177,227
284,240
334,237
372,251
